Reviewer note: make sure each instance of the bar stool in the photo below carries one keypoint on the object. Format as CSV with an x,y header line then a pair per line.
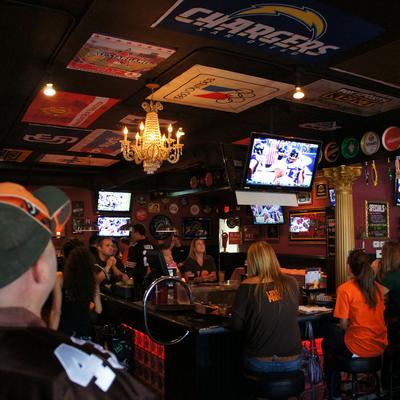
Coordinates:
x,y
274,385
359,365
392,353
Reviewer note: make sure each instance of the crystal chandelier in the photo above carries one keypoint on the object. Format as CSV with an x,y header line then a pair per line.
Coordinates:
x,y
149,146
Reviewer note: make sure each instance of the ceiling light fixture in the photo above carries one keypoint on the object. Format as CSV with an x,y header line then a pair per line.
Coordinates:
x,y
49,90
149,146
298,94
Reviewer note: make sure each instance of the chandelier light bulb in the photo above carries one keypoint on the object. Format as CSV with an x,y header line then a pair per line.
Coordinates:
x,y
298,93
49,90
125,133
141,127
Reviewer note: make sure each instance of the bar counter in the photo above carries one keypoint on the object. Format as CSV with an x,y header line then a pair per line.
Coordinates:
x,y
204,365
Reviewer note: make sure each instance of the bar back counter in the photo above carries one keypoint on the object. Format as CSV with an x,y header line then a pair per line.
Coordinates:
x,y
206,364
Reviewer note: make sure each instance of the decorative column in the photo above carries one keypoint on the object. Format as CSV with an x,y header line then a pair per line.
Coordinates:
x,y
342,179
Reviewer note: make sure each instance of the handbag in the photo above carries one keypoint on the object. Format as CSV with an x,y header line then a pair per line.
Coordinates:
x,y
313,365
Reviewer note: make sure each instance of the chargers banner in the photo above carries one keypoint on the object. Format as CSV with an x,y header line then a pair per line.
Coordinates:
x,y
305,30
219,89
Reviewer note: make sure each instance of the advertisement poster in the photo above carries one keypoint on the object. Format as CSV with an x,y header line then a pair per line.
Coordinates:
x,y
309,226
219,89
45,137
250,233
101,141
67,109
377,219
14,155
118,57
77,161
345,98
135,120
304,31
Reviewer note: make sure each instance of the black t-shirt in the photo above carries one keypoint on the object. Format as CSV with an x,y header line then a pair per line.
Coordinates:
x,y
136,255
179,254
191,265
41,364
74,319
269,324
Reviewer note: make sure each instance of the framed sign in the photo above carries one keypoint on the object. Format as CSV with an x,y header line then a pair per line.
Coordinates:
x,y
272,232
321,190
377,219
304,198
196,228
307,226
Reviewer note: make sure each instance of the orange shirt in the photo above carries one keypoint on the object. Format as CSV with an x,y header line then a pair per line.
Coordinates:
x,y
366,333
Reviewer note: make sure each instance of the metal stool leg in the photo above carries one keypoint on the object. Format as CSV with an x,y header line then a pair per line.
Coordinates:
x,y
354,388
391,379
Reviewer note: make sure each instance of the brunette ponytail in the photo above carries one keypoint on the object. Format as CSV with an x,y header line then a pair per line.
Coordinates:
x,y
364,276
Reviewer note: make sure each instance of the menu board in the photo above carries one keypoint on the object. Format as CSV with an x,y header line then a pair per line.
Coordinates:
x,y
377,219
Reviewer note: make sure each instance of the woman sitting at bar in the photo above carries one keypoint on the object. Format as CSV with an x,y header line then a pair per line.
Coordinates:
x,y
266,310
199,266
73,294
361,331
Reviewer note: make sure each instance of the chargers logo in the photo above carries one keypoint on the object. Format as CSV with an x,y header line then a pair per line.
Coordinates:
x,y
253,31
311,19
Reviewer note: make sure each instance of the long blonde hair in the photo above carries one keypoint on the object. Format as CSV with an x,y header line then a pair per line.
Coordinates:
x,y
262,262
192,251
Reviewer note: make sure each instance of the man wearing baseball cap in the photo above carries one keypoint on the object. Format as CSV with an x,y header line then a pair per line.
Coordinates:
x,y
36,362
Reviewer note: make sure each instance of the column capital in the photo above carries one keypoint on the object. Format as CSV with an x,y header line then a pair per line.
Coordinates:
x,y
342,177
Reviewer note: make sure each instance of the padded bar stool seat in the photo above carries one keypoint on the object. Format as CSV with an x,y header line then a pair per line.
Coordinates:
x,y
275,385
358,365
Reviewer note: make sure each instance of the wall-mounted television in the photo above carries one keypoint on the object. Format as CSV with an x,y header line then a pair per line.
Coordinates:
x,y
110,226
267,215
280,163
113,201
397,192
332,197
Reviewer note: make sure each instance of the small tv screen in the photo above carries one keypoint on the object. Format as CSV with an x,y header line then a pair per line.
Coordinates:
x,y
113,201
397,192
267,215
299,224
280,163
332,197
110,226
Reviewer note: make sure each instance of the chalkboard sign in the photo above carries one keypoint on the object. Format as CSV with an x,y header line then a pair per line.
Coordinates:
x,y
377,219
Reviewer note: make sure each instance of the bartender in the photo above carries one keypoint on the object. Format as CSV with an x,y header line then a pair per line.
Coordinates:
x,y
199,266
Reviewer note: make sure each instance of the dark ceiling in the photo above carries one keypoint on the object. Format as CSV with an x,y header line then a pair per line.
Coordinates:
x,y
40,38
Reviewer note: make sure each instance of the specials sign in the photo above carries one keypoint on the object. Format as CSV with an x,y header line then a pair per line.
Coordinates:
x,y
307,30
377,219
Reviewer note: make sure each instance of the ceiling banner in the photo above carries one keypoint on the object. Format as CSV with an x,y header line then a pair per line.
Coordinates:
x,y
218,89
67,109
79,161
345,98
118,57
14,155
101,141
305,31
50,137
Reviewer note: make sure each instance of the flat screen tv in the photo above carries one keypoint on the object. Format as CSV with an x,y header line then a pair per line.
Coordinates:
x,y
397,192
267,215
110,226
280,163
113,201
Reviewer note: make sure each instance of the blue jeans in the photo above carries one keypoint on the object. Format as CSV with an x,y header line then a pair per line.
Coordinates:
x,y
252,364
